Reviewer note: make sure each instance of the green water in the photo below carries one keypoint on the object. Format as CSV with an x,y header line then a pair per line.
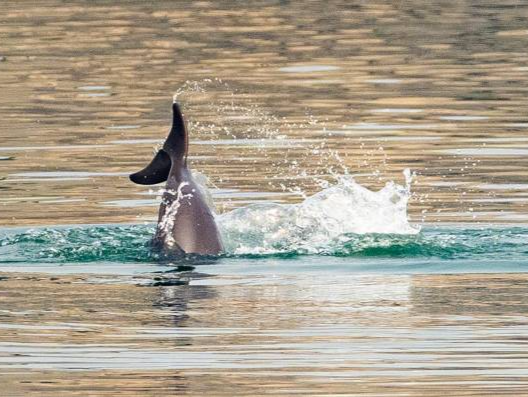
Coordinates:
x,y
125,249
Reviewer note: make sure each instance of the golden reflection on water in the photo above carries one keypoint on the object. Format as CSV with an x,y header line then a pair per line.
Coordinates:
x,y
439,88
224,335
282,91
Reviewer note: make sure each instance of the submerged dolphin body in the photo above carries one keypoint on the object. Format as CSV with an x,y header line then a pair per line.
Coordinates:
x,y
185,222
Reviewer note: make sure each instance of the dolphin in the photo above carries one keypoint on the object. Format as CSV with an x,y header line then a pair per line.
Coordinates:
x,y
186,224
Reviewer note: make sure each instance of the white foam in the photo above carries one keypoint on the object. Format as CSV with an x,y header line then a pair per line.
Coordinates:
x,y
320,221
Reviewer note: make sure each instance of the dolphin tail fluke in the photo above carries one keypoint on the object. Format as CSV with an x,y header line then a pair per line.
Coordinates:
x,y
156,172
177,142
174,150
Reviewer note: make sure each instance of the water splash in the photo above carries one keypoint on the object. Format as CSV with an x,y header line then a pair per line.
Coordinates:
x,y
323,220
321,223
305,164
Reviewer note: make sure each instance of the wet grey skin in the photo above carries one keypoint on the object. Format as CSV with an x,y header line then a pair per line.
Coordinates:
x,y
185,225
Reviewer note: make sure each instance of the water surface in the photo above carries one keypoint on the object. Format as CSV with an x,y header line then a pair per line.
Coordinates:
x,y
299,114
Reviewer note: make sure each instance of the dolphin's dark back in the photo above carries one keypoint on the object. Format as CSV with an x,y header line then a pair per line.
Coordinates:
x,y
185,222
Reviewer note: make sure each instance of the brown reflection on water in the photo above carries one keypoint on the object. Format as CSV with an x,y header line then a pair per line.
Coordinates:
x,y
225,335
420,81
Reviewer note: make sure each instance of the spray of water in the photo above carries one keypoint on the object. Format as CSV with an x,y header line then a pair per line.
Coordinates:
x,y
319,223
293,162
340,208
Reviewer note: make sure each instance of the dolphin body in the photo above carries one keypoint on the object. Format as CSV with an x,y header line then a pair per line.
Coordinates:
x,y
186,224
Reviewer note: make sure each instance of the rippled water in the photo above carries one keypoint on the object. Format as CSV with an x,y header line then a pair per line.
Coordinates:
x,y
341,276
124,249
